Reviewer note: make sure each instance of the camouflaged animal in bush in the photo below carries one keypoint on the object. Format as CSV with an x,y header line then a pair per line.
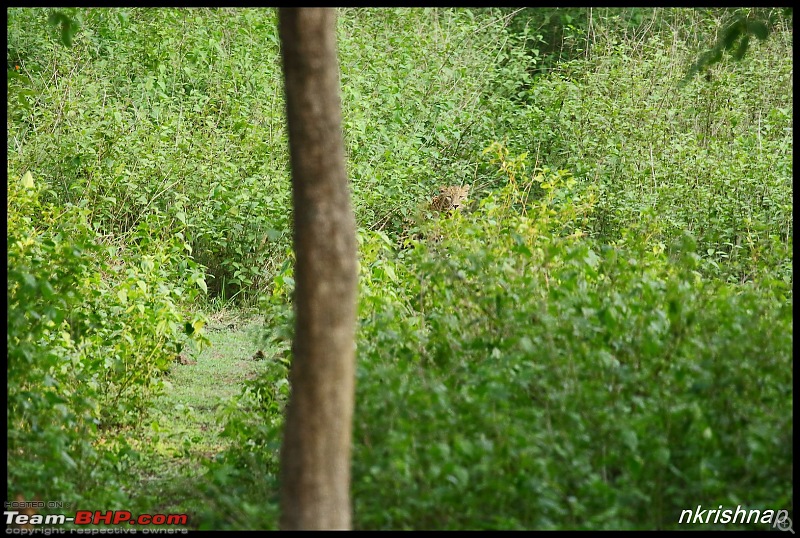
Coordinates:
x,y
448,200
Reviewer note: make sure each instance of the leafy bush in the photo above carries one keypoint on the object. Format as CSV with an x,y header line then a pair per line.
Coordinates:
x,y
713,157
145,124
520,376
89,342
595,343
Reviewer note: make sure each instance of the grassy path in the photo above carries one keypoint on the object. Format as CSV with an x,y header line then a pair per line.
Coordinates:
x,y
185,430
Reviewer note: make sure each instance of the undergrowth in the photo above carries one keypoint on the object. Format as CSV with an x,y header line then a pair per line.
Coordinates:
x,y
601,338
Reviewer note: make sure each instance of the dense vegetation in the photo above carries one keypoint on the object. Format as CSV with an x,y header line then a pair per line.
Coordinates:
x,y
601,339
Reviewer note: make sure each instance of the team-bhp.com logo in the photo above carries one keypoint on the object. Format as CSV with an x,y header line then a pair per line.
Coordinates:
x,y
88,517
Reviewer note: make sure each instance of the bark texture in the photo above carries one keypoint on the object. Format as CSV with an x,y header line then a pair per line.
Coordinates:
x,y
315,455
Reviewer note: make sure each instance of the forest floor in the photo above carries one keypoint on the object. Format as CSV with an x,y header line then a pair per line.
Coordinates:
x,y
186,430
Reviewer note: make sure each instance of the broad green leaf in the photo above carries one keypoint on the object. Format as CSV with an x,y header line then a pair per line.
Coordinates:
x,y
27,180
201,283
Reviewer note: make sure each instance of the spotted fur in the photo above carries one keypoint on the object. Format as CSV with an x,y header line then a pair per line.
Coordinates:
x,y
449,198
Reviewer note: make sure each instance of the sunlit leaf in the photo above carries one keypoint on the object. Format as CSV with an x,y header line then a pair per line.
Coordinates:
x,y
27,180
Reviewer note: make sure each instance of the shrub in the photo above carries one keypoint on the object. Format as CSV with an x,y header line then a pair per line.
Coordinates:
x,y
519,375
89,342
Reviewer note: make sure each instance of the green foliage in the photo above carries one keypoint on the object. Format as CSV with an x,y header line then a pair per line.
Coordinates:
x,y
162,127
189,125
600,340
537,379
520,374
733,39
69,26
550,35
89,340
412,112
712,158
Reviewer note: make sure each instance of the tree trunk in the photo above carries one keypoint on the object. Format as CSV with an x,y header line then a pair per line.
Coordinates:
x,y
315,455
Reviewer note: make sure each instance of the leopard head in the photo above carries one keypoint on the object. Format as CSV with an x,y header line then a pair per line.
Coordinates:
x,y
449,198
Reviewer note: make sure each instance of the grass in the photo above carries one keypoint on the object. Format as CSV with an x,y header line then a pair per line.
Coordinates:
x,y
603,366
185,429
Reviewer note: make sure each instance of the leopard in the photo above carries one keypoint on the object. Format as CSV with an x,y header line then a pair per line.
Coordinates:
x,y
449,198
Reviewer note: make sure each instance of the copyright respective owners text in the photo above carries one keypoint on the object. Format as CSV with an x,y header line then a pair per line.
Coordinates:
x,y
47,531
